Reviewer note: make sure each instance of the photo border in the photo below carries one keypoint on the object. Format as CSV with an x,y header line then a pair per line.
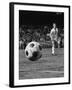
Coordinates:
x,y
11,43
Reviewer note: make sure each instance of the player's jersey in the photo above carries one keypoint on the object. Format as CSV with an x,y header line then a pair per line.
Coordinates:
x,y
54,34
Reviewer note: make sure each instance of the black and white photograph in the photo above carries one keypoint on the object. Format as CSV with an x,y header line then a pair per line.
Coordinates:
x,y
41,44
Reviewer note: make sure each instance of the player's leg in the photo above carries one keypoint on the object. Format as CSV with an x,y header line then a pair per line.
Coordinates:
x,y
58,41
53,47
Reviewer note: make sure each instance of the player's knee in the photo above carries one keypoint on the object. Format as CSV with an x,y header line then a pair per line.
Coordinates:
x,y
52,42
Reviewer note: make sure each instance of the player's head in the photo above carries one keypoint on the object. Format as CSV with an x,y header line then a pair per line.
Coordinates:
x,y
54,25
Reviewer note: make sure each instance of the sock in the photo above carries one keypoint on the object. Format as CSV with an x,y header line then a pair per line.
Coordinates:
x,y
53,50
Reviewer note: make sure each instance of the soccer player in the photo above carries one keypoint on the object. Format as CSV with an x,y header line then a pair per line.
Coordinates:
x,y
54,37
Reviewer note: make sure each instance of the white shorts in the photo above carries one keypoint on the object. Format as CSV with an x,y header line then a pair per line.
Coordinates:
x,y
56,40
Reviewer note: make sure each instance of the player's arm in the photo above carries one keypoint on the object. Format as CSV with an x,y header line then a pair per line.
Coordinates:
x,y
57,32
51,33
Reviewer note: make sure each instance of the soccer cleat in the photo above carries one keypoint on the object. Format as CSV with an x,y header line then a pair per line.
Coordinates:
x,y
53,54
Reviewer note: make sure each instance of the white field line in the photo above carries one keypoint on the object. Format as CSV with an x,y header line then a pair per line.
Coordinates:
x,y
51,71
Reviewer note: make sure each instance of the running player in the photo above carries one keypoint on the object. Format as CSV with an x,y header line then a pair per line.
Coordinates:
x,y
54,37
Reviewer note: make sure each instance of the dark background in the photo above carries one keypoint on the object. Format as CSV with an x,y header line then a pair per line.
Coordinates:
x,y
41,18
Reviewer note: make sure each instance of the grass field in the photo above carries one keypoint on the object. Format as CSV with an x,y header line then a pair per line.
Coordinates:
x,y
47,66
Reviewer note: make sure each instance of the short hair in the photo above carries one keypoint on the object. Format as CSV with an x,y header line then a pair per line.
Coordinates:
x,y
54,23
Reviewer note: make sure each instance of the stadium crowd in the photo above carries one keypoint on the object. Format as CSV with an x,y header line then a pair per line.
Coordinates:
x,y
39,33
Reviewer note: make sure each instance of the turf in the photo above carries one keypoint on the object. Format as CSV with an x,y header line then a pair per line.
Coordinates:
x,y
47,66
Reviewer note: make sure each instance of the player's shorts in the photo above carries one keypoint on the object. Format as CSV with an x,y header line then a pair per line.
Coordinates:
x,y
53,38
56,40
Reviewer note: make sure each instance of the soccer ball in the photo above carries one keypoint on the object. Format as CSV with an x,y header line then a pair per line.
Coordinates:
x,y
33,51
